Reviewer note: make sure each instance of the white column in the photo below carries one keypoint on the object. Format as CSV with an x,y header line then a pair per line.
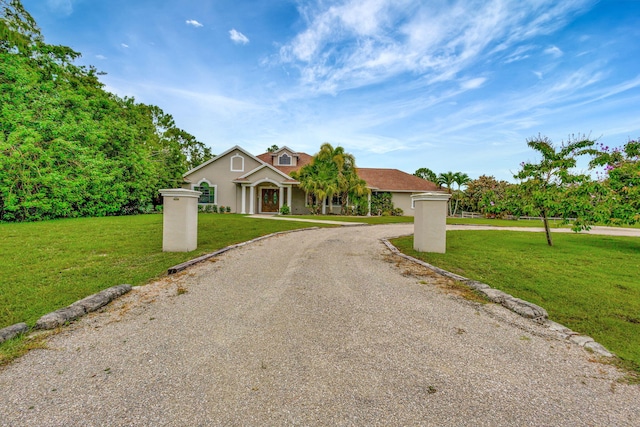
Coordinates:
x,y
252,200
289,191
244,197
179,219
281,198
430,222
369,202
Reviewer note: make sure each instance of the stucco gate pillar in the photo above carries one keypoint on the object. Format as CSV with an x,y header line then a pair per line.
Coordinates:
x,y
430,222
180,219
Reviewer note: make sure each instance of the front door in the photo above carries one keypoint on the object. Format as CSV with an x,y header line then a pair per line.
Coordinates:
x,y
270,199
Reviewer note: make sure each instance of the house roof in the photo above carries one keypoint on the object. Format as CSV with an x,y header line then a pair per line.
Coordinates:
x,y
378,179
219,156
245,177
303,159
394,180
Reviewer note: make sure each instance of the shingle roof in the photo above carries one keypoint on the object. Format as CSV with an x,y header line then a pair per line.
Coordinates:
x,y
376,178
303,159
394,180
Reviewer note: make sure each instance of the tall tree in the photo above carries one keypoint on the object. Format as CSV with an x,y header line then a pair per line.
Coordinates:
x,y
69,148
18,29
621,181
544,183
426,174
483,193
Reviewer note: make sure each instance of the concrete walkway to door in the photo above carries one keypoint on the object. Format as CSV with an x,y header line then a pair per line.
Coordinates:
x,y
317,328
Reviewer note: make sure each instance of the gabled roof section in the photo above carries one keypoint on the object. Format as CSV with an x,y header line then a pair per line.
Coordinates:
x,y
244,177
221,155
394,180
285,148
303,159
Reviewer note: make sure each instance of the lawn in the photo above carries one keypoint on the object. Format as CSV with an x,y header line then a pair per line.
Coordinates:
x,y
48,265
505,222
365,219
589,283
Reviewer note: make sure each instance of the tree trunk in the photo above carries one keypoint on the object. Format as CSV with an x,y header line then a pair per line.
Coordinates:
x,y
546,227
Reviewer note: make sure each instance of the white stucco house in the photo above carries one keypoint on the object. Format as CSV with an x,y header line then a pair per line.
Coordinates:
x,y
251,184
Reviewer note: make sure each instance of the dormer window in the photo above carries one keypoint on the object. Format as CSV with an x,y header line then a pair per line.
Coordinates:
x,y
284,160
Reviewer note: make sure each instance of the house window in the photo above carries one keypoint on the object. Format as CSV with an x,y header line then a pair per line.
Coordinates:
x,y
284,160
237,163
208,193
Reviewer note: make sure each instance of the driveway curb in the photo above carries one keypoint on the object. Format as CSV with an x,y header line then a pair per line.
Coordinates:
x,y
518,306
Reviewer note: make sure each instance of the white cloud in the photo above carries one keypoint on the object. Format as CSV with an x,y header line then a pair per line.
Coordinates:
x,y
538,74
361,42
124,45
193,23
64,7
238,37
554,51
473,83
101,57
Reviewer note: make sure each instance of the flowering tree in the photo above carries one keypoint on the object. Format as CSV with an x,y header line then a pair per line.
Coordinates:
x,y
544,187
620,190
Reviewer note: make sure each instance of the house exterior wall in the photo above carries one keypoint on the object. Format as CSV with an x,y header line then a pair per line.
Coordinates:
x,y
403,201
218,173
298,202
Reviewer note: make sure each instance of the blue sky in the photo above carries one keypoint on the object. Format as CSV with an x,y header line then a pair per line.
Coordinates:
x,y
448,85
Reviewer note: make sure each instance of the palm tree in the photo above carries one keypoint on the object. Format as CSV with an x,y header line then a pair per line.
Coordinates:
x,y
331,171
447,179
460,179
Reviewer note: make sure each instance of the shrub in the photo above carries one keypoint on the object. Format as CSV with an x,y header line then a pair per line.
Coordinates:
x,y
285,210
228,209
381,203
221,209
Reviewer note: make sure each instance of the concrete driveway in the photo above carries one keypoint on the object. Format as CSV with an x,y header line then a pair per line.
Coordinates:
x,y
320,327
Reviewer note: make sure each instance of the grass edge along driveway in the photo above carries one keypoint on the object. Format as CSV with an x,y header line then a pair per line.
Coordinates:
x,y
48,265
588,283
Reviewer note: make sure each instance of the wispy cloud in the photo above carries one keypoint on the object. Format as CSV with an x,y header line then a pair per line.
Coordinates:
x,y
473,83
362,42
101,57
238,37
554,51
193,23
124,45
64,7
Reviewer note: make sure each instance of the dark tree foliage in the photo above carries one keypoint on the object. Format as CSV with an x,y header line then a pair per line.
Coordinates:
x,y
67,147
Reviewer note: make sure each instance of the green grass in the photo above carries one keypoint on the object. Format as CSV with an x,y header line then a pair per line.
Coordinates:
x,y
48,265
365,219
589,283
521,223
503,222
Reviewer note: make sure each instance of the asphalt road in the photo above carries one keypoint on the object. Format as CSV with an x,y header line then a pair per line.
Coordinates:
x,y
319,327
